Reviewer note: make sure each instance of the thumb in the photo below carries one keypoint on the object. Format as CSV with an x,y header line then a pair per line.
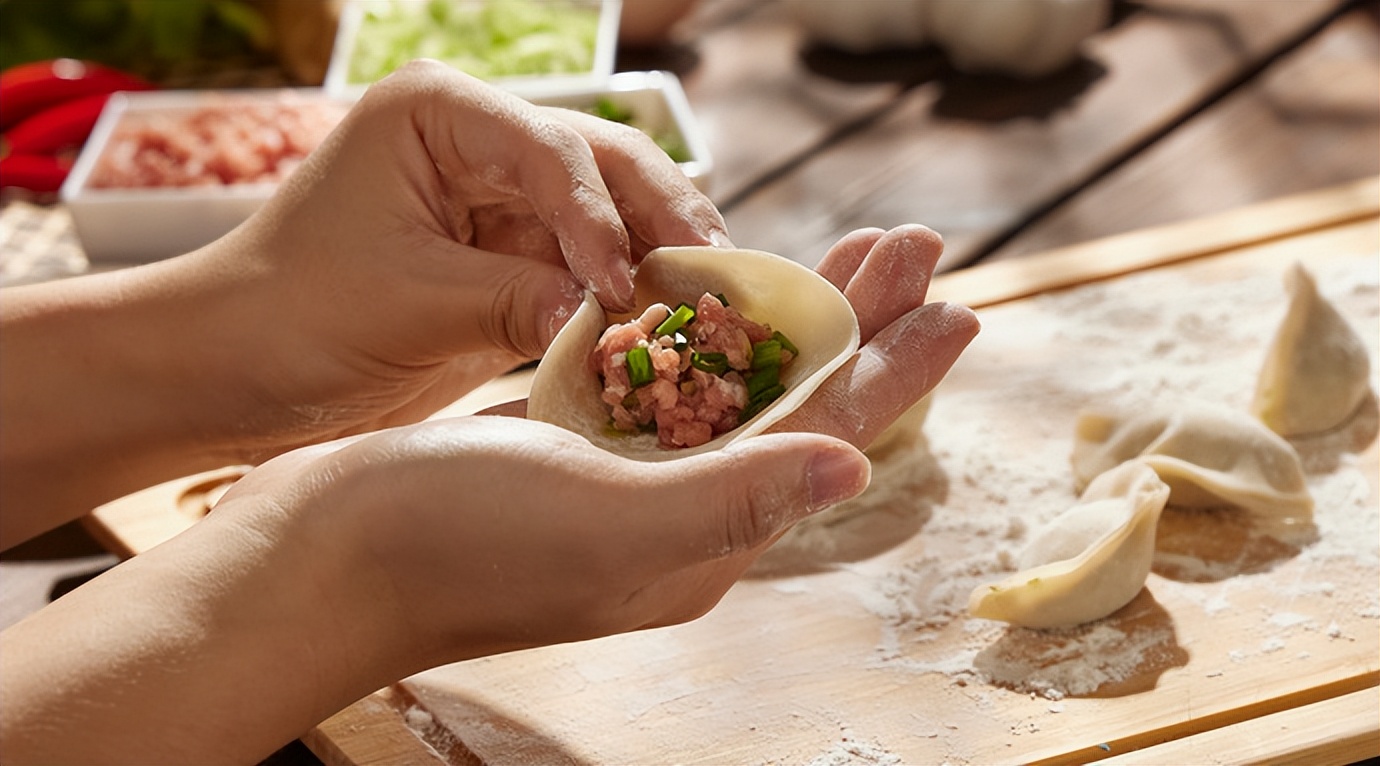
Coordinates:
x,y
739,498
525,302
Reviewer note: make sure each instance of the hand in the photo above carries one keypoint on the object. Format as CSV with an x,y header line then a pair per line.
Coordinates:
x,y
442,235
489,534
333,570
908,345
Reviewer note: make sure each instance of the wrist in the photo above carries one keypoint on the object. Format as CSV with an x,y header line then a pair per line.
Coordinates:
x,y
255,614
100,380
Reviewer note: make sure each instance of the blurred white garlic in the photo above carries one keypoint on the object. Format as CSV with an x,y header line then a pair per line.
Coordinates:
x,y
1025,38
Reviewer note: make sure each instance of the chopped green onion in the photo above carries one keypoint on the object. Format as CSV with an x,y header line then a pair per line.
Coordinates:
x,y
678,319
766,354
681,343
770,395
721,298
606,108
639,364
760,402
714,363
785,342
762,380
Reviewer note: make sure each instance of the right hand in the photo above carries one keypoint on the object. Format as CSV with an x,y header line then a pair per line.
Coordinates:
x,y
441,235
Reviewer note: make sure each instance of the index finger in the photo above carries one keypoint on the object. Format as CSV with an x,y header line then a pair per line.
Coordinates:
x,y
518,150
657,201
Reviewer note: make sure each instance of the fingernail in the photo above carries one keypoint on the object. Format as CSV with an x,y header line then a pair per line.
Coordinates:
x,y
836,475
719,238
621,293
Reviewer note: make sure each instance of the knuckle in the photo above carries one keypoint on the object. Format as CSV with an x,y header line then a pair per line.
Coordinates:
x,y
560,139
504,325
758,515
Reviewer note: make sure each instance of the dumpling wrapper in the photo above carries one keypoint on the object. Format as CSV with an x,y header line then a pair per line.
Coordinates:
x,y
1089,561
1317,371
1210,456
766,288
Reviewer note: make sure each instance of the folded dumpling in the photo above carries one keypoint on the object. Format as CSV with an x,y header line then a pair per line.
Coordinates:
x,y
1209,455
568,389
1317,371
1089,561
903,431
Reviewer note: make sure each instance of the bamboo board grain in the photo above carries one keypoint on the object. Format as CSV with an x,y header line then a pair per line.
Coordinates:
x,y
1338,730
736,687
867,657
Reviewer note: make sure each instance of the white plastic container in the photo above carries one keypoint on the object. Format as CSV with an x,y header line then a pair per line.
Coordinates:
x,y
353,22
658,107
149,223
131,225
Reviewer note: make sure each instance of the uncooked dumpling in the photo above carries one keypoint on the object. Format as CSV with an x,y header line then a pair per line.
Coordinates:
x,y
1089,561
903,431
1209,455
1317,371
766,288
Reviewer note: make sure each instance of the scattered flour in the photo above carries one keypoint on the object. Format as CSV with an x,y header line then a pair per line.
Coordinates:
x,y
854,752
950,510
1153,334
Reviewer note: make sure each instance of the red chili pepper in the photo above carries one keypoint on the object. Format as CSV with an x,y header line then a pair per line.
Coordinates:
x,y
27,89
64,126
35,172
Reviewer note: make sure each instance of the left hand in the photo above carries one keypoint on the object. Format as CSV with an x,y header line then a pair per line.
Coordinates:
x,y
907,345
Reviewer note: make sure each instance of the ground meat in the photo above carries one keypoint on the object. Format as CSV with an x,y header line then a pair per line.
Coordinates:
x,y
721,329
685,405
214,145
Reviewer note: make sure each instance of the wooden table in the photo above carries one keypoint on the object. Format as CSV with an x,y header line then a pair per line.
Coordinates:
x,y
1181,109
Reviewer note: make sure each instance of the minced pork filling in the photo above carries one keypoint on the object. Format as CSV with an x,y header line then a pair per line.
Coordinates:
x,y
690,373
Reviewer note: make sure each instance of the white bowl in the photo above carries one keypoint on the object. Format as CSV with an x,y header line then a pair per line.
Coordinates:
x,y
145,224
352,20
659,108
136,224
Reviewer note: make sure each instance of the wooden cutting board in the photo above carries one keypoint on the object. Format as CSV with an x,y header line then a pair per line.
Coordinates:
x,y
849,643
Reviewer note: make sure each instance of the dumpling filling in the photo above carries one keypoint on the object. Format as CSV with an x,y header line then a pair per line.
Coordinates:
x,y
691,373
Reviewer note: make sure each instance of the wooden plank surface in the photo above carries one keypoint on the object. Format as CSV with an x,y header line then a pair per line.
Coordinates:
x,y
379,730
808,147
857,625
866,658
1109,257
756,103
1311,121
1340,730
945,155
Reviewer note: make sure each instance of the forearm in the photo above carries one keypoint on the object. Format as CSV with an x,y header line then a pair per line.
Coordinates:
x,y
105,384
218,647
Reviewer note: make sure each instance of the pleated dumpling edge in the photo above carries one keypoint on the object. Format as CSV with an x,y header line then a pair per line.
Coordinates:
x,y
1088,562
